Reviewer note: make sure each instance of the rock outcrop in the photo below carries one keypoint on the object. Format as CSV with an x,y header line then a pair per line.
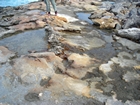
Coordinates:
x,y
126,13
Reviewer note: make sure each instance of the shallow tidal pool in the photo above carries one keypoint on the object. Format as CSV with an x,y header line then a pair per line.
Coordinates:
x,y
33,40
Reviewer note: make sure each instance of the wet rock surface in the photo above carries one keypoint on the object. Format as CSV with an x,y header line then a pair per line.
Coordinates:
x,y
79,64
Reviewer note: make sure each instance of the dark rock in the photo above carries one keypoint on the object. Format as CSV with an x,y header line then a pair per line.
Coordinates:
x,y
138,5
31,97
45,82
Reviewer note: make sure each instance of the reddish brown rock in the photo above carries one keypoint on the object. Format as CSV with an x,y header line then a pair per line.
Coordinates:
x,y
79,60
79,65
36,66
24,26
106,23
63,84
40,23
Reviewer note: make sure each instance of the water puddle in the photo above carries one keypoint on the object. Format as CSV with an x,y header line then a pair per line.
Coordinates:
x,y
84,17
34,40
105,52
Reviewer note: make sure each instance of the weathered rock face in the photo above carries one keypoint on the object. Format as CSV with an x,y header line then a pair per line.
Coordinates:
x,y
79,65
35,75
133,18
130,16
126,12
131,33
129,44
33,68
38,69
118,8
106,23
32,20
104,19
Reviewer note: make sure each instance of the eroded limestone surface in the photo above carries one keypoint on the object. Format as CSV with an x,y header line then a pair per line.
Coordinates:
x,y
63,74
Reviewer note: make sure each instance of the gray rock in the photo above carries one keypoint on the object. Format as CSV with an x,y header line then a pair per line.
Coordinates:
x,y
131,76
131,33
7,32
138,57
118,26
133,18
124,59
129,44
97,93
2,29
94,33
117,8
132,22
106,5
114,102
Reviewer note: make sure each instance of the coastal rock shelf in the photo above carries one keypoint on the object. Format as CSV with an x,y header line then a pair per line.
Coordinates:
x,y
64,60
